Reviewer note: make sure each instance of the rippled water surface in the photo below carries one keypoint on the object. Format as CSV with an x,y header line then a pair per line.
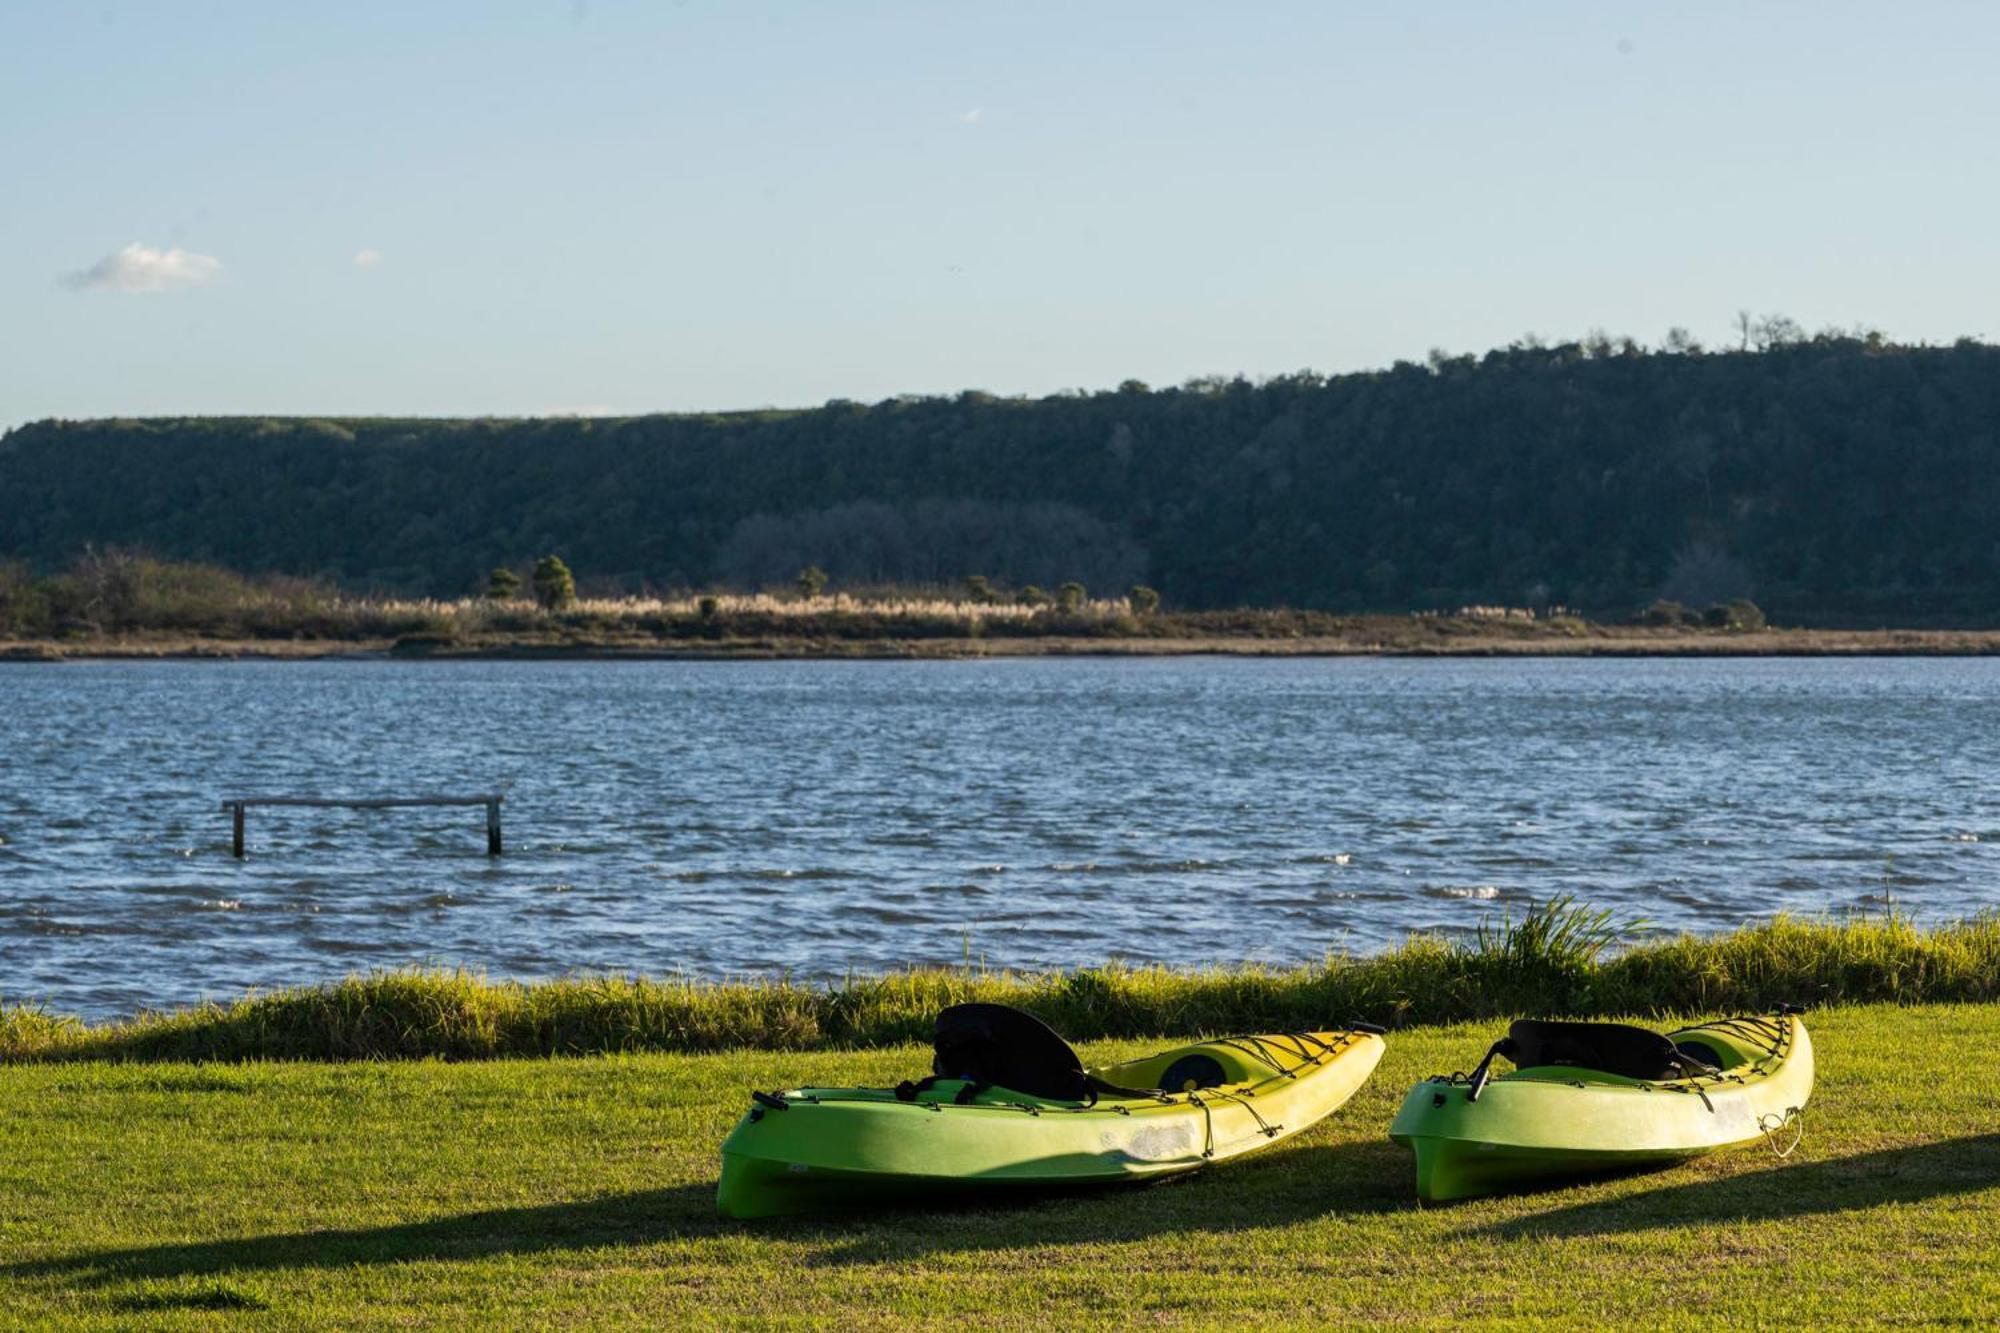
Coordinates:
x,y
820,817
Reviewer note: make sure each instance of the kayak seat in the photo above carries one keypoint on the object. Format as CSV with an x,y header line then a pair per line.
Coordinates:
x,y
1609,1048
1006,1047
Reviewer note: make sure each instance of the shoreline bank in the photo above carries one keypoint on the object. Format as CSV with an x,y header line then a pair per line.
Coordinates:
x,y
1561,959
1404,640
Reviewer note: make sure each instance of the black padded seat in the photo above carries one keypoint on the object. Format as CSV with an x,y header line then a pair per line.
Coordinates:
x,y
1609,1048
1008,1048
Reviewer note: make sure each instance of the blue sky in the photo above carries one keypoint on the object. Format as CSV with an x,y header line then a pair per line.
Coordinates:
x,y
566,207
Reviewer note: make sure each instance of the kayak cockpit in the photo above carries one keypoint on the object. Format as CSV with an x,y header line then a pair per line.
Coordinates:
x,y
1225,1064
994,1045
1615,1053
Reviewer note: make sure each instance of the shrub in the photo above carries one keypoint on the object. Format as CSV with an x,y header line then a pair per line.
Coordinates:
x,y
978,590
1746,614
1739,614
1667,613
24,606
1032,596
811,581
1143,600
503,585
1069,598
555,586
709,607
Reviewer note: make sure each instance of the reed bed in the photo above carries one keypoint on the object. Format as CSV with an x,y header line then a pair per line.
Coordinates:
x,y
124,594
479,613
115,594
1562,959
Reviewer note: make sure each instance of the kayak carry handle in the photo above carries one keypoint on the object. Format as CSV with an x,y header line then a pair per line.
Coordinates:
x,y
1372,1029
1786,1009
775,1101
1505,1046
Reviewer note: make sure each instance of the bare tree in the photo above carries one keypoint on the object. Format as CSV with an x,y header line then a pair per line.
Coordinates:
x,y
1778,331
1704,574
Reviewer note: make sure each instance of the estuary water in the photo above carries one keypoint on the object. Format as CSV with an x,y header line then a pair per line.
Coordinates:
x,y
819,818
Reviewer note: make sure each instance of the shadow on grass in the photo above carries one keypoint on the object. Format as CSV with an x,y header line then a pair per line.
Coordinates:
x,y
1351,1178
1348,1179
619,1219
1782,1190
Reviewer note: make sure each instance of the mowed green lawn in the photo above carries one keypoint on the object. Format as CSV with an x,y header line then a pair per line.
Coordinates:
x,y
579,1191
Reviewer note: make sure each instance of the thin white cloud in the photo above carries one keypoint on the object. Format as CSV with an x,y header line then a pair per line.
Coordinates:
x,y
367,257
140,268
971,117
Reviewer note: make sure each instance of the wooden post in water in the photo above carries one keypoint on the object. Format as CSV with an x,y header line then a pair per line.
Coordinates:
x,y
237,804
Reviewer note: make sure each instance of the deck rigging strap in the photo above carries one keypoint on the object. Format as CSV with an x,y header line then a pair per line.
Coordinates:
x,y
1208,1125
1254,1048
1773,1034
1690,1085
1307,1049
1305,1039
1269,1130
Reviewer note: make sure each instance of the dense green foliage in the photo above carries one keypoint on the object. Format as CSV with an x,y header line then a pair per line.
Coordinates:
x,y
119,592
581,1194
1833,479
1559,960
503,584
555,586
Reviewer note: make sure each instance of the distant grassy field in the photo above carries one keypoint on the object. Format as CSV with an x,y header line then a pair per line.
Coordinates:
x,y
577,1191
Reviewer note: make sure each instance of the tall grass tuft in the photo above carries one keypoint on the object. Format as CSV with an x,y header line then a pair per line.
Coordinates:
x,y
1561,959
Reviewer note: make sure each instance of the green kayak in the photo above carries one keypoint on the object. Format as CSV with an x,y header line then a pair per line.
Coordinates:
x,y
1008,1105
1587,1097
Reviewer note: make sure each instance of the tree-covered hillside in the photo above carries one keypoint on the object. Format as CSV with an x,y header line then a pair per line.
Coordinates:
x,y
1832,479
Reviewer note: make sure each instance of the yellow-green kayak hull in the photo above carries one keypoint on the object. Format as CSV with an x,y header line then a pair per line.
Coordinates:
x,y
822,1149
1538,1125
